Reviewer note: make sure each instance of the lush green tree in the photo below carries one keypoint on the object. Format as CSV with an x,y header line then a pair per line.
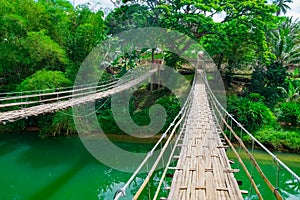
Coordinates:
x,y
26,42
16,19
236,40
86,31
152,6
43,79
31,11
43,53
129,17
57,19
234,48
241,39
45,34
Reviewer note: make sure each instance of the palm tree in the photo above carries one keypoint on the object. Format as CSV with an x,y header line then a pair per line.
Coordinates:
x,y
285,42
282,6
292,93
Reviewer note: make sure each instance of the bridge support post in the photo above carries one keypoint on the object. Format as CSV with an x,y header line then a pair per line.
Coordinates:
x,y
152,76
158,76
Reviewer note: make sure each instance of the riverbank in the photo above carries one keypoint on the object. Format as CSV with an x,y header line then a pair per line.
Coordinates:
x,y
275,141
121,137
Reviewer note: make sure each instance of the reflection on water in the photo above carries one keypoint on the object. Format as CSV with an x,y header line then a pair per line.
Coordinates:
x,y
58,168
61,168
287,185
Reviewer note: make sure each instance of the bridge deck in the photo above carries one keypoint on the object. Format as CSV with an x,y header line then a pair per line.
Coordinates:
x,y
203,170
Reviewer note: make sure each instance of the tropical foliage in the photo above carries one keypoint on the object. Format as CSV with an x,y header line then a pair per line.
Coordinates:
x,y
284,42
289,112
282,6
251,112
42,80
44,42
266,82
292,94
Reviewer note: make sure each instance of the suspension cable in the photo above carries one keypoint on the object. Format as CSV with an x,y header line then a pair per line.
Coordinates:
x,y
228,140
59,89
269,184
218,104
170,158
89,91
122,191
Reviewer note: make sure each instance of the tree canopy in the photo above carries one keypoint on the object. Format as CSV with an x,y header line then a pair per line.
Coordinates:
x,y
44,42
45,34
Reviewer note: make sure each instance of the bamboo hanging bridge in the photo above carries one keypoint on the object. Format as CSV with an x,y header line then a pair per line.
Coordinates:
x,y
34,103
203,170
193,148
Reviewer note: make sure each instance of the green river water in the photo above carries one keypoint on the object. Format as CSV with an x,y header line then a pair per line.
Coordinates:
x,y
62,169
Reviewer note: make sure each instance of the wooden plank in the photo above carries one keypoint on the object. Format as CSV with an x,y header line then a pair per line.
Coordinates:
x,y
231,170
224,146
244,192
175,168
205,171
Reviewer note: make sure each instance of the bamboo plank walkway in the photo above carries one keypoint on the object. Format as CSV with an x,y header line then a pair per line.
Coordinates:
x,y
203,170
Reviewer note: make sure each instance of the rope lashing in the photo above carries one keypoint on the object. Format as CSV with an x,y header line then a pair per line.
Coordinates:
x,y
120,191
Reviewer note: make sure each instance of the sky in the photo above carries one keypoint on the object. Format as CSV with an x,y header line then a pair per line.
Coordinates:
x,y
295,9
101,3
295,6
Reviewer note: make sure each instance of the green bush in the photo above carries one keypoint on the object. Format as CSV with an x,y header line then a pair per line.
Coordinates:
x,y
108,124
256,97
266,82
251,114
279,140
288,112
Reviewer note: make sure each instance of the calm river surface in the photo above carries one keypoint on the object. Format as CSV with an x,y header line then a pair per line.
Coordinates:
x,y
61,168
